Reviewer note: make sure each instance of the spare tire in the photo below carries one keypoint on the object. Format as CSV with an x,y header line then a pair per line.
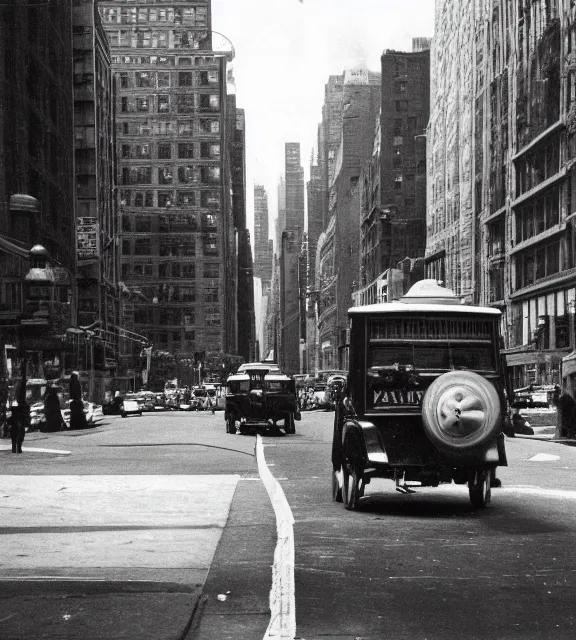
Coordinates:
x,y
461,411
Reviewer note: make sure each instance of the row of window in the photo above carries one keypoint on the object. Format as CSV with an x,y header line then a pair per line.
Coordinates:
x,y
170,247
167,150
166,79
168,270
207,199
537,166
148,39
194,16
536,263
166,61
538,215
193,174
185,128
175,223
166,103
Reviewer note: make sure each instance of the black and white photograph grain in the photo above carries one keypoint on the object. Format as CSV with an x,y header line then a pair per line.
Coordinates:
x,y
287,319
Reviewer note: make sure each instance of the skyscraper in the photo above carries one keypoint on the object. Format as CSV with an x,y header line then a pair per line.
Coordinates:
x,y
174,173
294,176
263,246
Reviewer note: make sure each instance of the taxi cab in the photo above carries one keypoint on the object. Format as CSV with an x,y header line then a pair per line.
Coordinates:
x,y
425,398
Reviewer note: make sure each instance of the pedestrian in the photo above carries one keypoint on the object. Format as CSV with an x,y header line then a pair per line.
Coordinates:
x,y
17,422
52,411
211,404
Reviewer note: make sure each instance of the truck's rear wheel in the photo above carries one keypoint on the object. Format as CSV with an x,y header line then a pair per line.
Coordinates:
x,y
461,411
479,488
231,423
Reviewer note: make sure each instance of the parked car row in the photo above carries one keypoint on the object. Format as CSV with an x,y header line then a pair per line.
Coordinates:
x,y
196,399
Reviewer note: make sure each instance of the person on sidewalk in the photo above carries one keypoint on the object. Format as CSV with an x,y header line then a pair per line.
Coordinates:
x,y
52,412
17,422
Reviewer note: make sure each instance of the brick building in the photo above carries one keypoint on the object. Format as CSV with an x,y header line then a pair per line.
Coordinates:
x,y
95,169
393,182
175,175
337,253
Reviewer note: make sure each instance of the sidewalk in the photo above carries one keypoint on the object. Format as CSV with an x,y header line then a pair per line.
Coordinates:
x,y
54,609
547,433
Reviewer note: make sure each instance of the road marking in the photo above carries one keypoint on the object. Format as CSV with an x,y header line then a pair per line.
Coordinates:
x,y
539,491
282,624
7,447
543,457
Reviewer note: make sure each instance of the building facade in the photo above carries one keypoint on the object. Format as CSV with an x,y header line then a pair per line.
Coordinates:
x,y
174,173
294,180
393,182
95,168
263,245
338,248
501,149
37,203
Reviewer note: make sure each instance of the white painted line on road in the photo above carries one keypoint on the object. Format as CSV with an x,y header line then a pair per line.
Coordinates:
x,y
282,624
539,491
543,457
7,447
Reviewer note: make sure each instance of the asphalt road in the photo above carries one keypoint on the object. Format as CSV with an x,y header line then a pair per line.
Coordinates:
x,y
424,566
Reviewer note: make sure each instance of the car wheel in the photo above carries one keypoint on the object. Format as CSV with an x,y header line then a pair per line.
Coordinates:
x,y
289,425
336,486
479,488
352,472
460,411
231,424
123,414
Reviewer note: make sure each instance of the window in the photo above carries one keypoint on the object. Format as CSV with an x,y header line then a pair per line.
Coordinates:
x,y
124,80
185,128
124,105
211,174
187,175
209,102
163,104
185,196
188,270
211,270
126,248
144,79
186,150
163,79
125,223
164,151
210,221
536,263
142,104
143,224
165,198
185,79
142,247
164,175
125,151
538,215
211,295
142,151
210,199
185,103
209,126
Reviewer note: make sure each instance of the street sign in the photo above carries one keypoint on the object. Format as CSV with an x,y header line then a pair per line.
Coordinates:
x,y
87,238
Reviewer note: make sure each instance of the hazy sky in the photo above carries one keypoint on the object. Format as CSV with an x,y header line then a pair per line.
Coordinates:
x,y
285,51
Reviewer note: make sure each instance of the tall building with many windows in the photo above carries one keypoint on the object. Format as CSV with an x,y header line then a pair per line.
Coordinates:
x,y
294,176
174,174
263,246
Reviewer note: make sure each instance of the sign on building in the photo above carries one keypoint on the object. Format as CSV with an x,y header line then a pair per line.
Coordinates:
x,y
87,238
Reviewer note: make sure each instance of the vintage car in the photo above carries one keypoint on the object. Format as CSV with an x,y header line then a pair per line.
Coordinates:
x,y
425,398
123,405
259,398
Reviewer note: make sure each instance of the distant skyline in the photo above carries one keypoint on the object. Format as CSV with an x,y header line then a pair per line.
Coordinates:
x,y
285,51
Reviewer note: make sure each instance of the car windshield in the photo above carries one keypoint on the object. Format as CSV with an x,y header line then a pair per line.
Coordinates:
x,y
199,393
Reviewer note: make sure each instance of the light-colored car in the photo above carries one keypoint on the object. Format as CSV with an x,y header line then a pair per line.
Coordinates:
x,y
130,406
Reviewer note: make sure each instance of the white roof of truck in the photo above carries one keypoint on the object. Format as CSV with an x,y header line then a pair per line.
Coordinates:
x,y
425,297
